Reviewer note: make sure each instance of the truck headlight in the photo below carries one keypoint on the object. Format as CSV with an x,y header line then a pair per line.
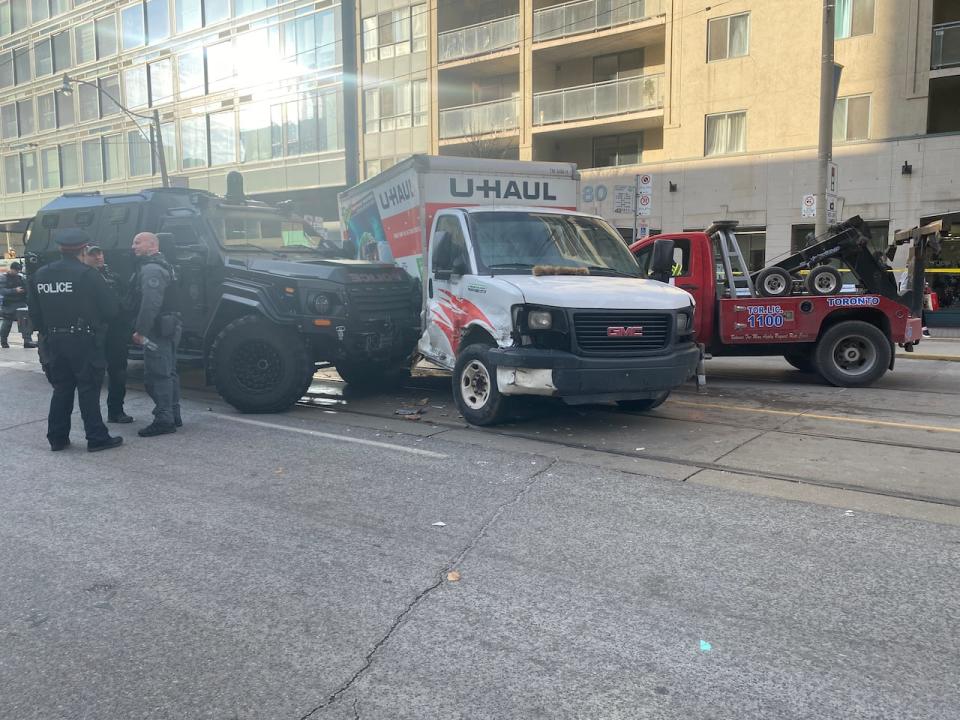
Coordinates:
x,y
539,320
683,323
320,304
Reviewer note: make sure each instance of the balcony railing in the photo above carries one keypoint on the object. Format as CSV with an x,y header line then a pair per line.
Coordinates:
x,y
582,16
615,97
480,119
486,37
946,46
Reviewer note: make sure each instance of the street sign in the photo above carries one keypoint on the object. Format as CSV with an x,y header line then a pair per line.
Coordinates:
x,y
834,209
833,178
808,208
645,180
644,203
643,230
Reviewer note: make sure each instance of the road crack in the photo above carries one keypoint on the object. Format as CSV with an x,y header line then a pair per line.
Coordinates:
x,y
412,605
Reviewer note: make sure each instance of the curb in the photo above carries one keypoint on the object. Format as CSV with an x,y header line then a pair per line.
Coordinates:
x,y
921,356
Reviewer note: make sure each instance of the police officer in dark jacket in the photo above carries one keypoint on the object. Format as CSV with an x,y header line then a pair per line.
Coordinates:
x,y
117,340
157,329
70,305
13,289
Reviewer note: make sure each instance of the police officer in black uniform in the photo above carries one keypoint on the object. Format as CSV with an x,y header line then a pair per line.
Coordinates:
x,y
70,305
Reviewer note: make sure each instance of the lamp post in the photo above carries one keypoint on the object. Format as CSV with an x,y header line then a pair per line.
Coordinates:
x,y
155,139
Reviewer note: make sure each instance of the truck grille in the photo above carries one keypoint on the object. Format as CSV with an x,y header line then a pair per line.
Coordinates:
x,y
599,333
380,299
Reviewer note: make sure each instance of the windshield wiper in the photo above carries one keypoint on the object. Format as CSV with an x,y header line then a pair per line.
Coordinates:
x,y
256,247
604,268
510,266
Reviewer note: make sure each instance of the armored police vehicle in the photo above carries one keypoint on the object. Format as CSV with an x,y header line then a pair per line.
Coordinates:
x,y
264,297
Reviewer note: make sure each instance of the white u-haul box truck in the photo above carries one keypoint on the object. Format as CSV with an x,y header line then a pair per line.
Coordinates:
x,y
522,295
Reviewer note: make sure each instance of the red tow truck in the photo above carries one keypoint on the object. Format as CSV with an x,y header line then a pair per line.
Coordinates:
x,y
797,308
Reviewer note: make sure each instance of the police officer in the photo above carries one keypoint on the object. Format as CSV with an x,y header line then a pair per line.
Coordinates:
x,y
13,289
157,329
69,306
117,339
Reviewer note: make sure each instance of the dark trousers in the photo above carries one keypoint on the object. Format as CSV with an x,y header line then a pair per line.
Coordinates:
x,y
7,324
117,340
75,366
160,378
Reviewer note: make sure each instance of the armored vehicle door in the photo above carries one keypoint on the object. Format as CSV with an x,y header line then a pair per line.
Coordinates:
x,y
182,243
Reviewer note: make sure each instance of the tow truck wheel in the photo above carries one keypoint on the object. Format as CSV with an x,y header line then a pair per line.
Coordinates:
x,y
824,280
260,367
475,387
643,405
852,354
774,282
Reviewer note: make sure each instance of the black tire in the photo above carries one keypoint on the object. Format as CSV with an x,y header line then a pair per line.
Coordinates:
x,y
361,374
824,280
475,388
260,367
774,282
643,405
852,354
802,361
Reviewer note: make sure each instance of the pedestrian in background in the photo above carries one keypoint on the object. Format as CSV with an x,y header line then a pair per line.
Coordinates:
x,y
157,328
70,305
117,338
13,289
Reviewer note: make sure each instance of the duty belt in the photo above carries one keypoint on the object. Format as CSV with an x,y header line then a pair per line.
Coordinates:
x,y
72,330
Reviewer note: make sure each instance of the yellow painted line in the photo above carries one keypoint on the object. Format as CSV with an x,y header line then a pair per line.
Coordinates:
x,y
922,356
832,418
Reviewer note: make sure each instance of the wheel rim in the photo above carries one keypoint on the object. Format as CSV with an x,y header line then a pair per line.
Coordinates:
x,y
475,385
257,366
854,355
773,285
825,283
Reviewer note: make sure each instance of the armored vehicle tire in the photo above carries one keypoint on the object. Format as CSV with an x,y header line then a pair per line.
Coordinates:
x,y
643,405
802,361
852,354
371,375
475,388
824,280
260,367
774,282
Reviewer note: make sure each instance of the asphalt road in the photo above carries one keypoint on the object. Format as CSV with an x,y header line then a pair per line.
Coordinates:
x,y
289,566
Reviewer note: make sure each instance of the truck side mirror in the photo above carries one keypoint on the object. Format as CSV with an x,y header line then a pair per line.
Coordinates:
x,y
441,261
460,265
661,265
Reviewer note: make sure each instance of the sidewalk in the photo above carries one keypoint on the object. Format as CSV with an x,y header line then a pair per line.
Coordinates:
x,y
935,348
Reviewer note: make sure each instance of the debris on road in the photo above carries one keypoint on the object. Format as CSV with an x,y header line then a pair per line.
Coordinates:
x,y
439,524
453,576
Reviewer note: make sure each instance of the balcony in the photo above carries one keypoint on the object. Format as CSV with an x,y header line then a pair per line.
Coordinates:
x,y
599,100
589,16
946,46
480,39
498,116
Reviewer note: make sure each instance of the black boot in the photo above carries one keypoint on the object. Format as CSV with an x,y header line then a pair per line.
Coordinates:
x,y
27,345
4,344
156,428
109,443
119,417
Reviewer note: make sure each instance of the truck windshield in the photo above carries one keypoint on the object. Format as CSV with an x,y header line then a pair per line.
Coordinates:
x,y
266,231
516,242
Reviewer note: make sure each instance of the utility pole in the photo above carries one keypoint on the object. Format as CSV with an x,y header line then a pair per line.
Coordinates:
x,y
827,101
157,141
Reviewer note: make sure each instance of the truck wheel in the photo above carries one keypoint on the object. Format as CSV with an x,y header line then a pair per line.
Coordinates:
x,y
852,354
774,282
475,388
824,280
370,375
802,361
643,405
260,367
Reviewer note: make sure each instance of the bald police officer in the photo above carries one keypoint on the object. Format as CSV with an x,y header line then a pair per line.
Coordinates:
x,y
157,328
69,306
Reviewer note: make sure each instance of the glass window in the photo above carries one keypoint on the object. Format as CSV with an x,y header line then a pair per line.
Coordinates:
x,y
58,7
851,118
21,65
420,24
139,156
92,161
134,32
26,117
421,103
193,142
50,167
20,18
725,133
43,57
31,171
614,150
371,110
8,121
331,129
245,7
105,29
158,21
109,95
293,129
5,26
215,11
46,112
168,136
89,101
86,43
189,15
309,125
190,71
256,133
223,139
65,112
112,157
61,51
135,86
370,39
69,167
220,67
728,37
6,70
161,81
11,173
853,17
41,10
